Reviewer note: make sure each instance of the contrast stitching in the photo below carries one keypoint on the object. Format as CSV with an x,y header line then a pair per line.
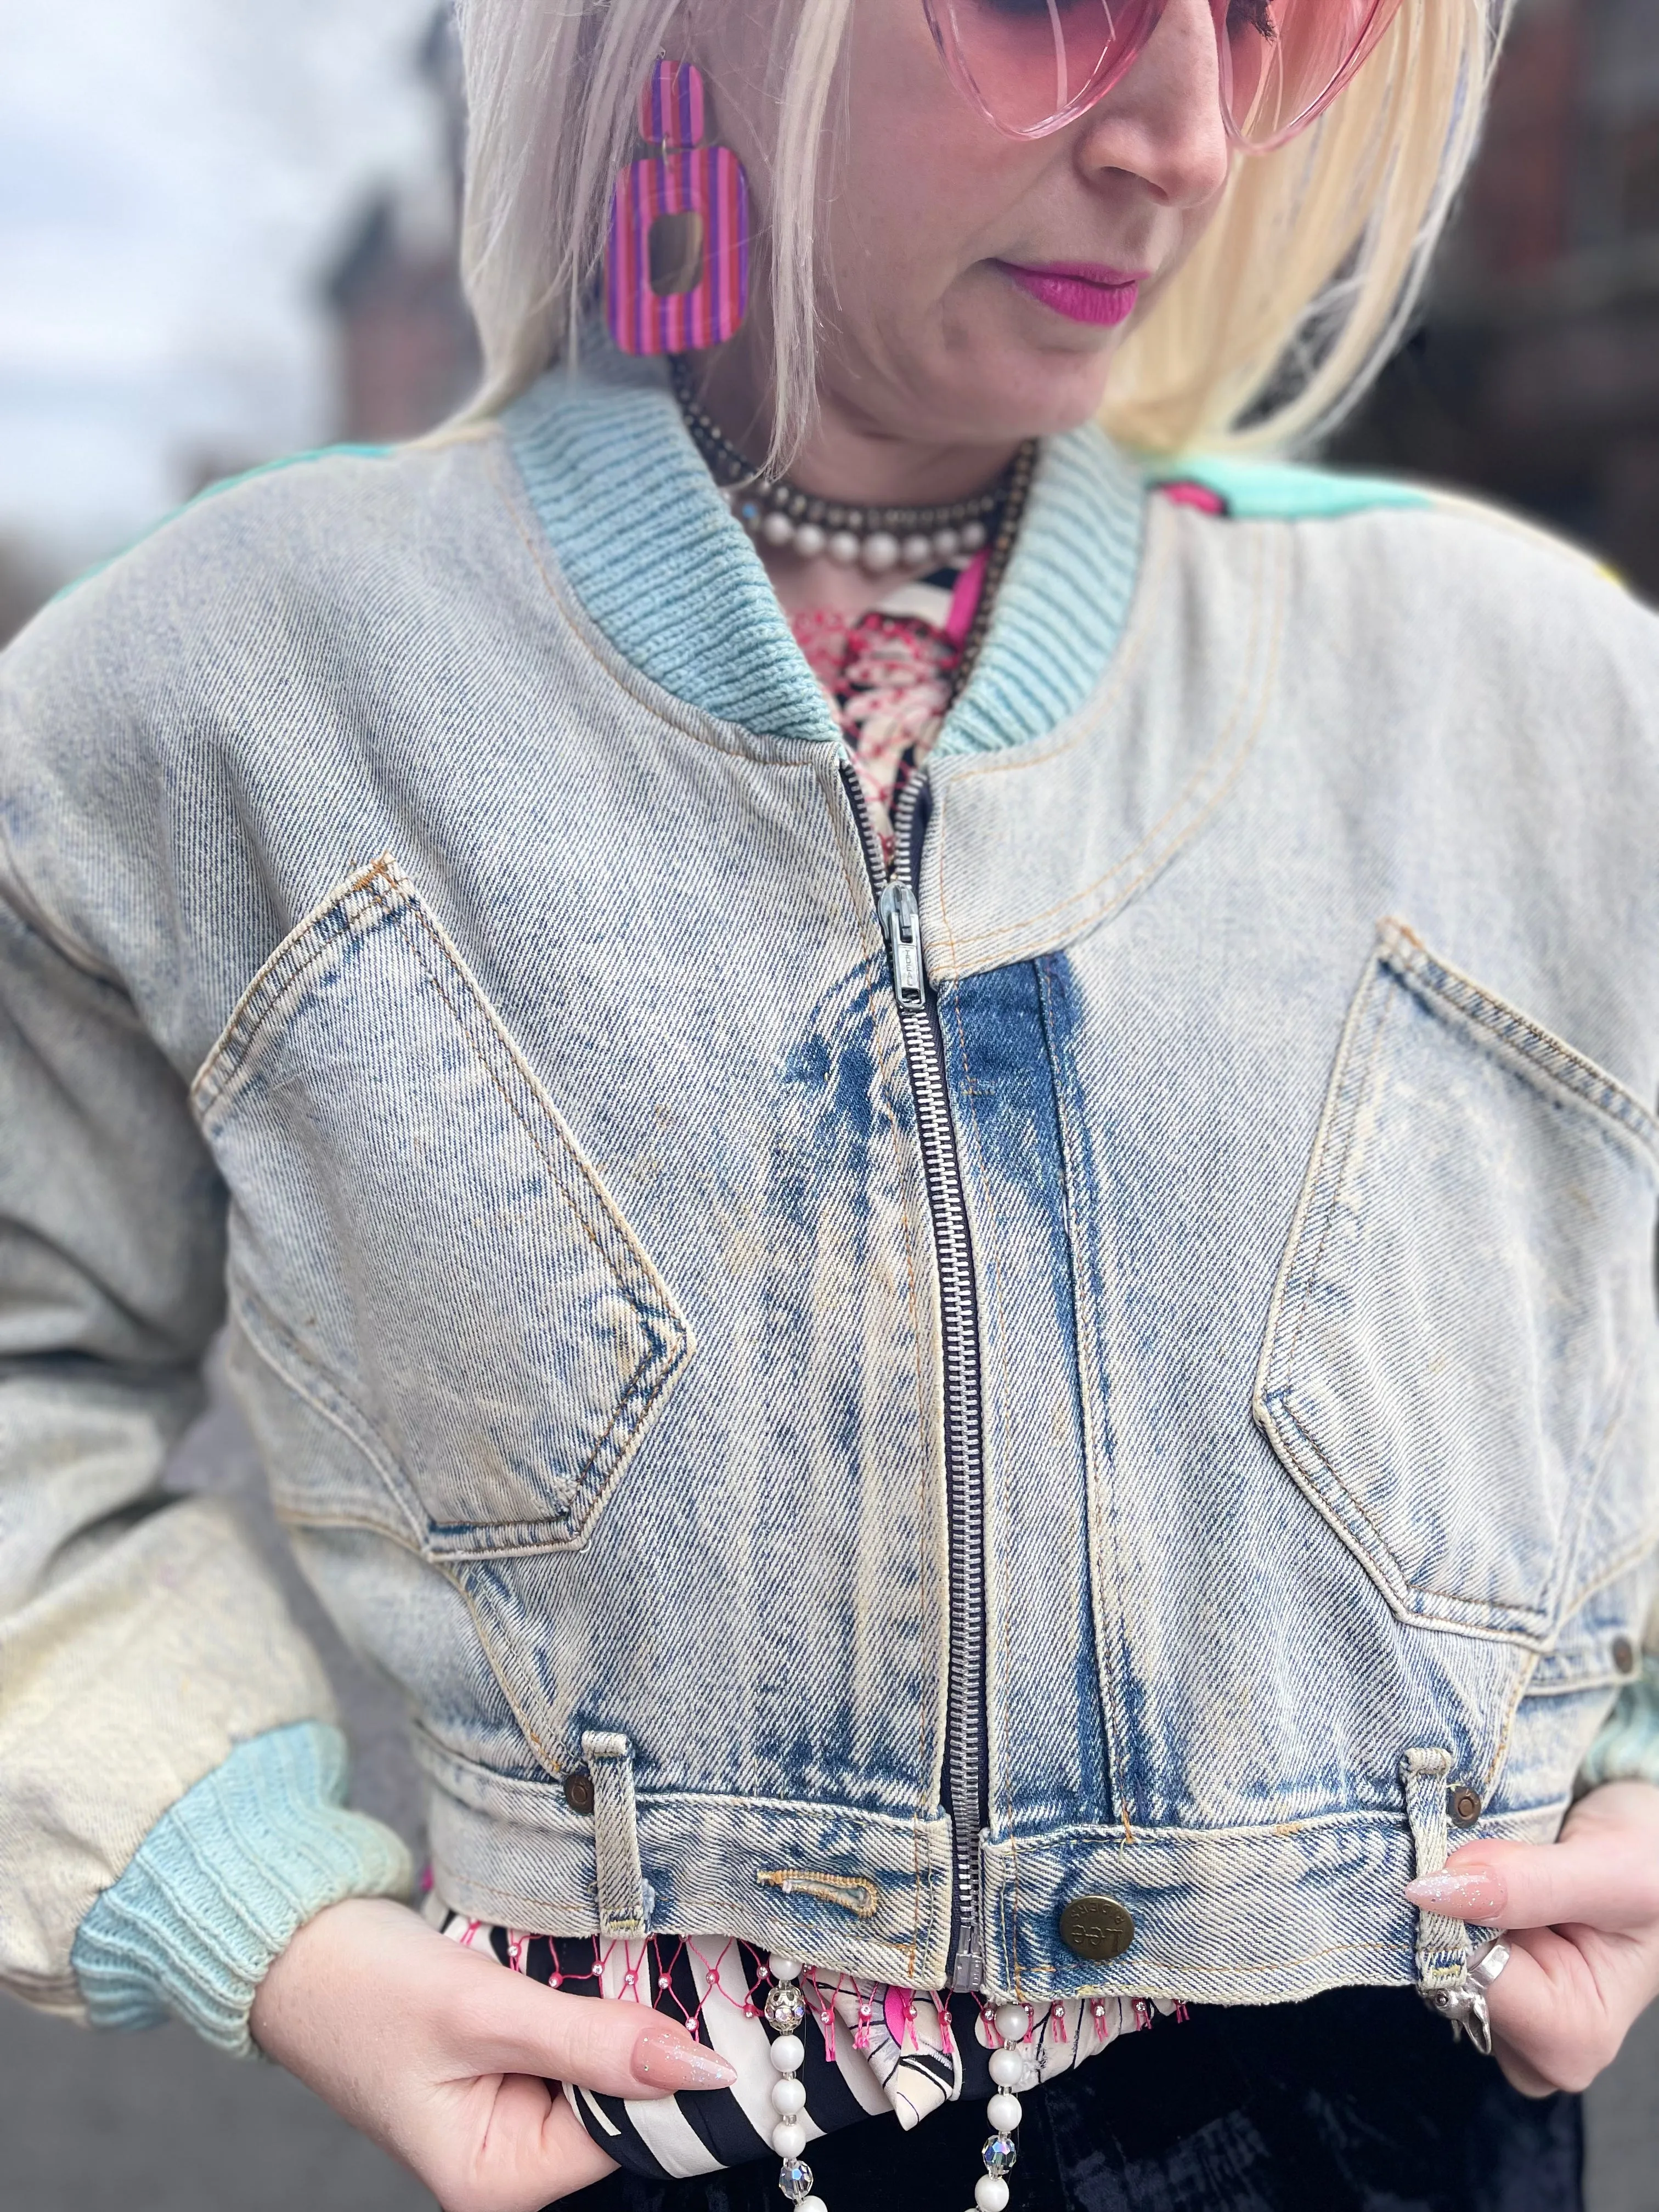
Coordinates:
x,y
1351,1087
392,1474
1086,720
210,1077
1540,1052
1095,1456
852,1892
654,1354
1501,1752
1161,840
1422,1589
1025,939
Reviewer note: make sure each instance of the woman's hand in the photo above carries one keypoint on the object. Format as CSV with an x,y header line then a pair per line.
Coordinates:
x,y
1582,1919
442,2055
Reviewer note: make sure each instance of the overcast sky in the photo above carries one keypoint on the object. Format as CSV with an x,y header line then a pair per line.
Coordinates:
x,y
173,176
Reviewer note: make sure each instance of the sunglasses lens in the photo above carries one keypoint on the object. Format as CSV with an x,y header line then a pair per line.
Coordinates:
x,y
1284,61
1031,65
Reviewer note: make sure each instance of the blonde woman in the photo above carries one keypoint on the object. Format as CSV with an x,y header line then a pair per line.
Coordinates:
x,y
927,1130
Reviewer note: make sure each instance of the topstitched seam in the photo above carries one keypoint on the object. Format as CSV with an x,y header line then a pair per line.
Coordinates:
x,y
1094,711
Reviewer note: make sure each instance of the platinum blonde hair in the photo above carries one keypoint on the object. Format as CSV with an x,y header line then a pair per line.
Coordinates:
x,y
1295,296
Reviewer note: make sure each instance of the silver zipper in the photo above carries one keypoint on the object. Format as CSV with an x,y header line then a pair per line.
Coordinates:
x,y
924,1049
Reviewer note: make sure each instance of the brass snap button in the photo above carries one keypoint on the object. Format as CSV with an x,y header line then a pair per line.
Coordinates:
x,y
1464,1806
579,1790
1097,1928
1624,1654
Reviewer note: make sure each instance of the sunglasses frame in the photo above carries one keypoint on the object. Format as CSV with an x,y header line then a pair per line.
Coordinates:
x,y
1108,78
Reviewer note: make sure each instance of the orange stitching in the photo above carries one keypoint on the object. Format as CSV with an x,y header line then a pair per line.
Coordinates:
x,y
854,1893
1021,933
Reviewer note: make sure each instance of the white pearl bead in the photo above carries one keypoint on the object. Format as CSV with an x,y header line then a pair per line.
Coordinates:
x,y
1014,2022
780,1968
812,2204
787,2052
947,542
843,547
1007,2067
788,2097
1004,2112
788,2139
778,530
991,2192
810,540
973,537
881,551
916,550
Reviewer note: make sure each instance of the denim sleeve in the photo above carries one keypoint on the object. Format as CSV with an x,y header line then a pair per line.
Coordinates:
x,y
1627,1749
144,1644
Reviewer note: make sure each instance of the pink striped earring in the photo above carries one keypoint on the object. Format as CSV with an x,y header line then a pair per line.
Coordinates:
x,y
677,256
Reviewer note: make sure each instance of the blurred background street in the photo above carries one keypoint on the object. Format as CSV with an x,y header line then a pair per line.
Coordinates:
x,y
226,234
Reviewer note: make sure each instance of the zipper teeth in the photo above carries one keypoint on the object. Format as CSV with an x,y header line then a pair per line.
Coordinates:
x,y
959,1325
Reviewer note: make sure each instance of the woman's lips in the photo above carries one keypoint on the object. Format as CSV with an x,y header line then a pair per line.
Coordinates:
x,y
1082,291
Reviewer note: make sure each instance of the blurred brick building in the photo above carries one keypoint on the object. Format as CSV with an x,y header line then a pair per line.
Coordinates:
x,y
1536,375
406,349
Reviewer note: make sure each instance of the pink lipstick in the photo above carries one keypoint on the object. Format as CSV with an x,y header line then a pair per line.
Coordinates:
x,y
1082,291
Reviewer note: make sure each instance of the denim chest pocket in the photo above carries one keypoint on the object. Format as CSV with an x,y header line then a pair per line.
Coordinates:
x,y
1466,1297
417,1243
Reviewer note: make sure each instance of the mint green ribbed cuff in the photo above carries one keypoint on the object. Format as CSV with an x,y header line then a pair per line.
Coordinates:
x,y
213,1892
1627,1749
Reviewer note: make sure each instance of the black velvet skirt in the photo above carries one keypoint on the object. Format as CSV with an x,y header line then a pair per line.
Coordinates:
x,y
1358,2101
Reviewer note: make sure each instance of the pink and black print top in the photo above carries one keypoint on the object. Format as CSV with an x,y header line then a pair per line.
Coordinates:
x,y
888,675
869,2051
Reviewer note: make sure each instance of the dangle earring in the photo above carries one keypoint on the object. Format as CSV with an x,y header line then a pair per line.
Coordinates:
x,y
677,255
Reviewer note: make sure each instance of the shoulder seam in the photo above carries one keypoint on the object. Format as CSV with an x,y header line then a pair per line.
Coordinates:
x,y
210,492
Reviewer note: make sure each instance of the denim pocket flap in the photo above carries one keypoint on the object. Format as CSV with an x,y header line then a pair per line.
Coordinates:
x,y
418,1244
1466,1303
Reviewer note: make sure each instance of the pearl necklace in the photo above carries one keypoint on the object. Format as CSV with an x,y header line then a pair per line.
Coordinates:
x,y
785,2012
876,539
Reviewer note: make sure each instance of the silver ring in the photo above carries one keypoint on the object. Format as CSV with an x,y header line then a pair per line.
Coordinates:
x,y
1487,1964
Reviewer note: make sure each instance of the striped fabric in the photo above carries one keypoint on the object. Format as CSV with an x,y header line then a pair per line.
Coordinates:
x,y
870,2051
685,177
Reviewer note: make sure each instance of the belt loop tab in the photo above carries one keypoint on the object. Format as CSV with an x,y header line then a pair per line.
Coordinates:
x,y
620,1886
1443,1945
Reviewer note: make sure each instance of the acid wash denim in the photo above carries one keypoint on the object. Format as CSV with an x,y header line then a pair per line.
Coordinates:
x,y
508,1039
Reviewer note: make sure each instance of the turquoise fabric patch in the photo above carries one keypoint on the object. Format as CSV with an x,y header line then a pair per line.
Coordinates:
x,y
1281,491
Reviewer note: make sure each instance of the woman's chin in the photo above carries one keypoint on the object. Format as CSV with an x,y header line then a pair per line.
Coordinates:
x,y
1026,392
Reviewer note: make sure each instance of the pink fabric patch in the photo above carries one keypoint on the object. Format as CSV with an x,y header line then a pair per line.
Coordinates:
x,y
965,599
1195,495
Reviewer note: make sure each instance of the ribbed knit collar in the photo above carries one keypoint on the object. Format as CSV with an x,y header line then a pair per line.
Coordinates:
x,y
670,577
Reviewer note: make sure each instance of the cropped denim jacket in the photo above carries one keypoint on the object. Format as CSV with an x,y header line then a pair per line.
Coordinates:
x,y
1119,1370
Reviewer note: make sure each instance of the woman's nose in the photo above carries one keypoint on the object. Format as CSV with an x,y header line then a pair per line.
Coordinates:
x,y
1162,124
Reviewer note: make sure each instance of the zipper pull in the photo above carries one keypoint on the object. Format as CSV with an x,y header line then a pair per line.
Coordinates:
x,y
901,921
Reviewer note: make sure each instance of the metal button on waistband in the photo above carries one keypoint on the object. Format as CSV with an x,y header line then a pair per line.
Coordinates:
x,y
1097,1927
579,1790
1464,1806
1624,1654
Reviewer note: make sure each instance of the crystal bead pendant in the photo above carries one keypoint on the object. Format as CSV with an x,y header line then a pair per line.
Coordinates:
x,y
1001,2155
784,2007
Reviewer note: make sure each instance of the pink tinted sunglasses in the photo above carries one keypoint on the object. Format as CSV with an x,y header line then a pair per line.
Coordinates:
x,y
1032,66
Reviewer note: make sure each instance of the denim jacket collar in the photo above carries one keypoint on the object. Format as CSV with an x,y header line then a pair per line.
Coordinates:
x,y
646,543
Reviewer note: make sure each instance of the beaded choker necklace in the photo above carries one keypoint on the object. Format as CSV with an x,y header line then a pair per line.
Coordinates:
x,y
876,539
